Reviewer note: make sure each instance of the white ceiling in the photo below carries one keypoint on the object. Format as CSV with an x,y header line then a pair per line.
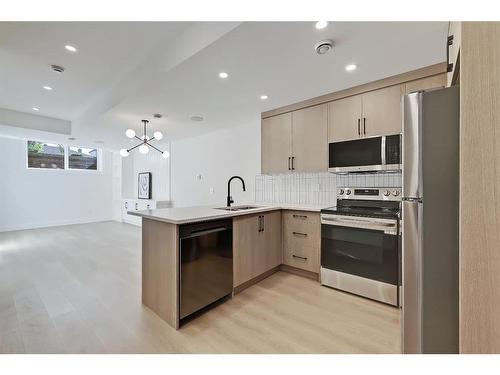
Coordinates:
x,y
124,72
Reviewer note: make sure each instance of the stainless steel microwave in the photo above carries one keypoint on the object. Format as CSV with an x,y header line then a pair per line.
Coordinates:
x,y
374,154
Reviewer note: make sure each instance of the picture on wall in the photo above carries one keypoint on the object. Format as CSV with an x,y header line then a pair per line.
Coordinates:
x,y
144,185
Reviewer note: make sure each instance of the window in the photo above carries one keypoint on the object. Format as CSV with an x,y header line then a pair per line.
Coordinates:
x,y
45,155
82,158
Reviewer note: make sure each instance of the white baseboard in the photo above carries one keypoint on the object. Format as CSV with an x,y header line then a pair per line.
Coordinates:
x,y
55,224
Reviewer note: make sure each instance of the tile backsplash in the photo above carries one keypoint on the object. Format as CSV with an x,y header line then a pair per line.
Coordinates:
x,y
315,188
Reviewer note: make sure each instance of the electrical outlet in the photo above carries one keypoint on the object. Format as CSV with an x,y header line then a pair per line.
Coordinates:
x,y
211,190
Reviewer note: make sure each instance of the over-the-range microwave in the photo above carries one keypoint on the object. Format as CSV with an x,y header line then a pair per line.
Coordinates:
x,y
374,154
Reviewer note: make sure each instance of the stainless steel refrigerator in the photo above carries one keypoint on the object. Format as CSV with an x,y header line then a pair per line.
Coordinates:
x,y
430,157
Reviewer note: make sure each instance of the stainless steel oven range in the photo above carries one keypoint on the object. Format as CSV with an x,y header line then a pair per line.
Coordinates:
x,y
360,243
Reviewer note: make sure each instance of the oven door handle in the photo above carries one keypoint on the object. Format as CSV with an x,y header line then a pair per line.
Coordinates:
x,y
386,226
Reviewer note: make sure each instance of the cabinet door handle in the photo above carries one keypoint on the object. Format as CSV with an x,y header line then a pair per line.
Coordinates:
x,y
136,206
299,216
126,205
260,224
449,43
359,128
289,158
263,223
296,256
299,234
364,125
293,159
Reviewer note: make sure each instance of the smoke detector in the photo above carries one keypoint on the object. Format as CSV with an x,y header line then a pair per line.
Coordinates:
x,y
323,46
57,68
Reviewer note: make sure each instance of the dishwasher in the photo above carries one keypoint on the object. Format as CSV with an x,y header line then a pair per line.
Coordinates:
x,y
206,265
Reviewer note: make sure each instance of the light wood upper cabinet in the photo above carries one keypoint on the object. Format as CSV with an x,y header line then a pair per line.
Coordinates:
x,y
382,111
310,139
301,135
376,112
276,143
256,245
426,83
344,117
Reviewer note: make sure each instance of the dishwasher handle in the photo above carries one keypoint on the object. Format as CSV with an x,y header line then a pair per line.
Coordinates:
x,y
203,228
202,232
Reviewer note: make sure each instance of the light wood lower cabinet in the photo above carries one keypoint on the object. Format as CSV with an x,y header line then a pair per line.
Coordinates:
x,y
302,240
256,245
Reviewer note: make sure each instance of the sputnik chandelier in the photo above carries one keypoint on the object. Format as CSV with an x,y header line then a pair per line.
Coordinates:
x,y
145,141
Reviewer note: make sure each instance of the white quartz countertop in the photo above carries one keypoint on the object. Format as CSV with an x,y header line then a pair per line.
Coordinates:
x,y
183,215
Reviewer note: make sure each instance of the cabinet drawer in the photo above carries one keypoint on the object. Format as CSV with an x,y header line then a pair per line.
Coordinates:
x,y
301,253
301,240
301,221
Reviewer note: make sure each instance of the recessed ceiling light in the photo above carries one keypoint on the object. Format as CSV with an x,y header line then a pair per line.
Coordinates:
x,y
196,118
223,75
350,67
263,97
35,109
70,48
321,24
48,88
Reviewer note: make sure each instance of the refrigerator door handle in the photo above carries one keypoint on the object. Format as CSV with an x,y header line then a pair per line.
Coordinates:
x,y
411,148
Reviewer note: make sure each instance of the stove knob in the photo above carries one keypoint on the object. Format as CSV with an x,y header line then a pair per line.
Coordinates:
x,y
395,193
387,193
341,191
348,191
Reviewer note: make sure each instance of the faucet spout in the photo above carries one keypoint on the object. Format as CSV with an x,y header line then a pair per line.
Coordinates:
x,y
229,198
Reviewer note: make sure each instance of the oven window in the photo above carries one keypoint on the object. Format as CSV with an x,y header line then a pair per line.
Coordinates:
x,y
363,252
356,153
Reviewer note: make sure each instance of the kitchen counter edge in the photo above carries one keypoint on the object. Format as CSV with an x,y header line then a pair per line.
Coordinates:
x,y
207,213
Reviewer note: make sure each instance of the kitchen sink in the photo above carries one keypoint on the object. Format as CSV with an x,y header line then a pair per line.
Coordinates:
x,y
237,208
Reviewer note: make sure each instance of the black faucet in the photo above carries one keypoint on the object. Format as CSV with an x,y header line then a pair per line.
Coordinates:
x,y
229,198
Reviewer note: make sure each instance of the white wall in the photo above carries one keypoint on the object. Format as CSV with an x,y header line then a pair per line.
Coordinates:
x,y
216,157
38,198
152,162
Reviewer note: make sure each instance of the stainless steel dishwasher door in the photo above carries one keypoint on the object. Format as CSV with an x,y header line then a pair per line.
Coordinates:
x,y
206,264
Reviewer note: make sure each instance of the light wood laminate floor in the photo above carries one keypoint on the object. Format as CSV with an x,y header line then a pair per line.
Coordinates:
x,y
77,289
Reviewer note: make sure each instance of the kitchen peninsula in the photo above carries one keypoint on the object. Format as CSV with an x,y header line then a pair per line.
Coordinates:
x,y
193,253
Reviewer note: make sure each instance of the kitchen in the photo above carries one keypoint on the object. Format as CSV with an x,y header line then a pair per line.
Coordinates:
x,y
264,208
357,246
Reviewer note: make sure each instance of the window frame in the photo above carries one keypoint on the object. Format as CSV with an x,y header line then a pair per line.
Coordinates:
x,y
66,158
66,168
